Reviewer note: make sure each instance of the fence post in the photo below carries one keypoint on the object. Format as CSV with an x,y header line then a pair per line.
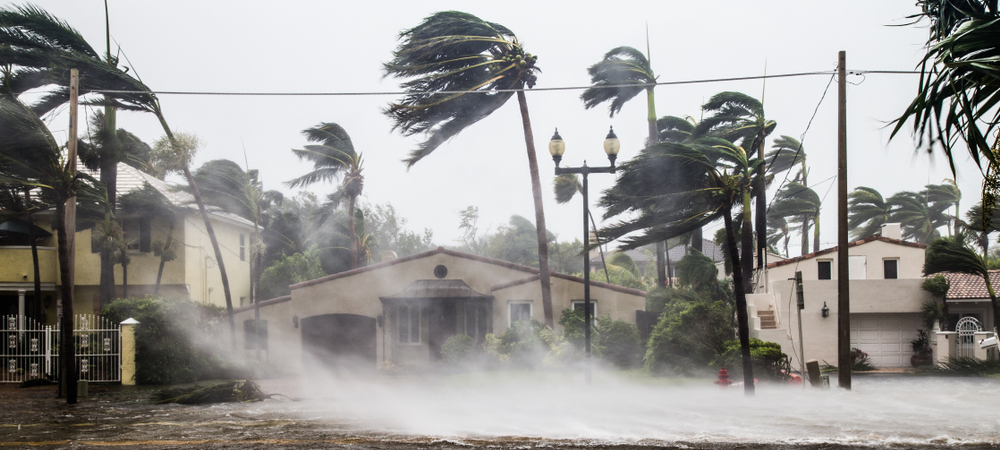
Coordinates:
x,y
128,351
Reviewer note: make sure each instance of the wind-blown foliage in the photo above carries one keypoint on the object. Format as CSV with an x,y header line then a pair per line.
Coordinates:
x,y
950,254
868,211
459,69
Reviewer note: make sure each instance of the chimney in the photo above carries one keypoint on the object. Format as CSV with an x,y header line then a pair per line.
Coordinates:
x,y
892,231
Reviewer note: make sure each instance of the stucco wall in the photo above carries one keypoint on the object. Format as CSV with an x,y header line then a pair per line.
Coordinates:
x,y
16,264
911,262
820,334
201,271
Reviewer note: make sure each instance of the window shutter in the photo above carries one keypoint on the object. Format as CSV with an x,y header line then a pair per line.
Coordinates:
x,y
145,235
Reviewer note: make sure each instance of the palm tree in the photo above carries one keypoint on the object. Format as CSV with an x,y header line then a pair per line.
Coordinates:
x,y
788,153
950,254
803,205
334,157
957,92
918,218
978,228
619,77
943,196
675,188
460,69
868,211
150,203
17,202
738,117
778,232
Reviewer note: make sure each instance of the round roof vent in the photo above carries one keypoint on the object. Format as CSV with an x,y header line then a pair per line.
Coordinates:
x,y
440,271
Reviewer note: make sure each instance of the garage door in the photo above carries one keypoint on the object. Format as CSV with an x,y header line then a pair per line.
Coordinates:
x,y
885,337
339,341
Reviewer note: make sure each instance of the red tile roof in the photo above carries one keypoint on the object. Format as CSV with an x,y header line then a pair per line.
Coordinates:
x,y
966,286
851,244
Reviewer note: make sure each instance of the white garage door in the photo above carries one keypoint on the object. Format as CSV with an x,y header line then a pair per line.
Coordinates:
x,y
885,337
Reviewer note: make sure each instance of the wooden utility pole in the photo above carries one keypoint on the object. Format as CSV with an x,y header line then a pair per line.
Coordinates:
x,y
843,271
67,354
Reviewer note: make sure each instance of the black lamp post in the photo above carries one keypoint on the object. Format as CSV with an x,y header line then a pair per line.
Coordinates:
x,y
557,147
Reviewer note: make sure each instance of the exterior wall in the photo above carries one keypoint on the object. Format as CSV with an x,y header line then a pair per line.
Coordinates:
x,y
16,265
359,293
820,333
201,271
910,266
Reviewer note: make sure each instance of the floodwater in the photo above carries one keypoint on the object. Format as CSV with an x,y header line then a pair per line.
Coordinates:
x,y
522,410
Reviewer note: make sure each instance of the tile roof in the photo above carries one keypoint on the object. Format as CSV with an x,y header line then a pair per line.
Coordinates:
x,y
639,255
851,244
967,286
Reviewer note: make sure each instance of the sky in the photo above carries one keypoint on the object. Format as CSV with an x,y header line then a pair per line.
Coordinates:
x,y
327,47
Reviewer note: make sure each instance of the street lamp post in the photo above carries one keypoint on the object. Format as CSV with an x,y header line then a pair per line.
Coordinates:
x,y
557,147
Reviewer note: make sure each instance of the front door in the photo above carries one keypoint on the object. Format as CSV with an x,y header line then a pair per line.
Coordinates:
x,y
443,322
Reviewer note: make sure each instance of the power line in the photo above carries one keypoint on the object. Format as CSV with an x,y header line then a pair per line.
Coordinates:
x,y
563,88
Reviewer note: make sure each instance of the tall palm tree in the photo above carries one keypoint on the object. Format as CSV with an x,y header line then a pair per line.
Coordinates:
x,y
460,69
151,204
978,228
950,254
737,117
868,211
944,196
803,205
334,157
619,77
675,188
787,154
778,232
918,218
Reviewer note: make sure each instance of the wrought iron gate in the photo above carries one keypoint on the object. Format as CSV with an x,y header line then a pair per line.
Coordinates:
x,y
30,350
967,328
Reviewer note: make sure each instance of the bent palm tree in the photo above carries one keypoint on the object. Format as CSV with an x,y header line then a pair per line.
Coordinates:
x,y
950,254
803,204
334,157
737,117
675,188
460,69
919,219
619,77
868,211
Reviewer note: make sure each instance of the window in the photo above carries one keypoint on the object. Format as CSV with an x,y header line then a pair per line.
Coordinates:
x,y
579,304
520,311
476,318
408,318
891,267
243,247
825,269
137,234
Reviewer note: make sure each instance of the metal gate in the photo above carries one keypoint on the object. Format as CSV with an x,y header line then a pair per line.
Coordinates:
x,y
30,350
967,328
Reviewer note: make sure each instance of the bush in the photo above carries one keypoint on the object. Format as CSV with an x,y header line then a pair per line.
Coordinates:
x,y
458,349
621,344
523,345
768,361
685,342
289,270
167,338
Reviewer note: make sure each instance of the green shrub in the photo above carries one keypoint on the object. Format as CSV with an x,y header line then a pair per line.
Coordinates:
x,y
524,345
768,361
620,342
458,349
174,339
289,270
688,336
573,334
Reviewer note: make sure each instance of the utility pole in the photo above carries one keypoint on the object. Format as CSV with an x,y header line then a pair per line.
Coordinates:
x,y
801,302
843,272
67,354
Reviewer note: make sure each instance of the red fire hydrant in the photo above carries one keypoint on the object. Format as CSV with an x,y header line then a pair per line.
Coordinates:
x,y
723,380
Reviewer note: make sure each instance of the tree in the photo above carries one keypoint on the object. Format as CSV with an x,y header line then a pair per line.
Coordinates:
x,y
566,186
151,204
978,228
950,254
388,230
868,211
803,205
619,77
176,152
460,69
957,93
918,218
738,117
290,270
942,196
674,188
334,157
16,202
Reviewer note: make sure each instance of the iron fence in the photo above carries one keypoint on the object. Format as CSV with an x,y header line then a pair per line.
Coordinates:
x,y
30,350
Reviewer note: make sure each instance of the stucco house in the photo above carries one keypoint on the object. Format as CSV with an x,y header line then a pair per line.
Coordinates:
x,y
194,274
885,292
401,311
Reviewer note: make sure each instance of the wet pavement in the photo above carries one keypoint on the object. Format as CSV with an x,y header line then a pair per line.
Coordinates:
x,y
472,412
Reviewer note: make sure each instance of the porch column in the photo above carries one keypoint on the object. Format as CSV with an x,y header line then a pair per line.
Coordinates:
x,y
128,351
20,308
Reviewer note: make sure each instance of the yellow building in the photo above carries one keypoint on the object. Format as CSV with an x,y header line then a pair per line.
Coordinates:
x,y
194,274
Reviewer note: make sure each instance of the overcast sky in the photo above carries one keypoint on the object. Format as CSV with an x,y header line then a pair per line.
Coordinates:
x,y
327,46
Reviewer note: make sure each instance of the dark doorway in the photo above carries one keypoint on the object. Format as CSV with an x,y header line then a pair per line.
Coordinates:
x,y
443,325
339,341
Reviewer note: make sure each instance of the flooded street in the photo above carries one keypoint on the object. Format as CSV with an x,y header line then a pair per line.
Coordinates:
x,y
520,410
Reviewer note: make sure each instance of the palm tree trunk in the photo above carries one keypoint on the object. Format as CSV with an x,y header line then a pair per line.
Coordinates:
x,y
654,138
593,224
746,250
353,235
993,302
218,255
67,351
742,318
697,239
109,177
536,191
761,195
661,265
211,234
816,231
124,279
163,262
34,262
805,235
